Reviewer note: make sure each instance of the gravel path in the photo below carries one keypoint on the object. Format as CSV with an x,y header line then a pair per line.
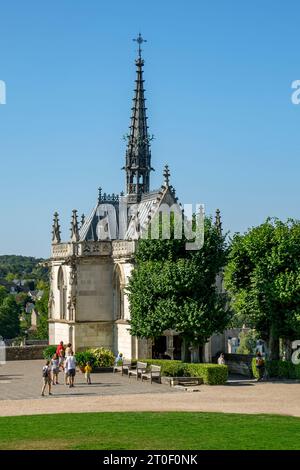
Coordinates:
x,y
115,393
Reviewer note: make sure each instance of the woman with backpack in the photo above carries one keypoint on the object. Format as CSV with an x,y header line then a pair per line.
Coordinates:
x,y
46,378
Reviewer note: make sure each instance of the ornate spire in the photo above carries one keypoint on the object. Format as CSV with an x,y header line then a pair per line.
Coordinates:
x,y
166,175
56,229
218,222
82,220
99,194
74,227
138,155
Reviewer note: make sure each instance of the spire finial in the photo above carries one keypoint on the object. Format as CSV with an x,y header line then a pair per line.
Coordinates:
x,y
218,222
166,175
138,154
56,229
99,194
82,220
140,41
74,227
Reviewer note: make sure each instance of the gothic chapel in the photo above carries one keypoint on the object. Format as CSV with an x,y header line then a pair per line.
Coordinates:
x,y
88,305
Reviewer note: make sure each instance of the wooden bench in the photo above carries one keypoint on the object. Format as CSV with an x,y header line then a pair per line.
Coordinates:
x,y
154,373
125,365
140,369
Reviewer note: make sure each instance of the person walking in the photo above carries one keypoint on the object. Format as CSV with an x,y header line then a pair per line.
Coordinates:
x,y
70,364
260,366
68,349
87,372
60,352
55,369
46,373
65,369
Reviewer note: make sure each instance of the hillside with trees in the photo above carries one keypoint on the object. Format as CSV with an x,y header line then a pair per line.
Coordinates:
x,y
22,267
24,288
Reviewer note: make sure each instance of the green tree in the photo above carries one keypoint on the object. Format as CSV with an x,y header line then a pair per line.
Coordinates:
x,y
42,308
263,278
10,277
22,298
171,287
3,294
9,318
23,267
247,342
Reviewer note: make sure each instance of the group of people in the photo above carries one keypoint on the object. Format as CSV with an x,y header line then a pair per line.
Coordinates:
x,y
63,360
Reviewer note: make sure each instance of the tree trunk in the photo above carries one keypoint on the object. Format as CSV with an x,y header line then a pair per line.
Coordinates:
x,y
287,349
185,353
273,346
194,353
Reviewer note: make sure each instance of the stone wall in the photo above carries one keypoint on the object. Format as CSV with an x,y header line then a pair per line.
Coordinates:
x,y
23,353
93,335
239,363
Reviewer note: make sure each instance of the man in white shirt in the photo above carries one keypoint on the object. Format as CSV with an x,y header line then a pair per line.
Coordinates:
x,y
221,359
70,364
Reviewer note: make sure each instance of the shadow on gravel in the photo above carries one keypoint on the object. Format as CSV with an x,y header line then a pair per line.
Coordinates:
x,y
11,377
239,384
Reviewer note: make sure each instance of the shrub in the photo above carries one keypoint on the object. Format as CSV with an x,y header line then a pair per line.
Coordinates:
x,y
280,369
211,374
254,370
169,368
103,357
82,357
49,351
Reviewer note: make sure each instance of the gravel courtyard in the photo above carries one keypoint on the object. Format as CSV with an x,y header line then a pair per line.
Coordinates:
x,y
20,388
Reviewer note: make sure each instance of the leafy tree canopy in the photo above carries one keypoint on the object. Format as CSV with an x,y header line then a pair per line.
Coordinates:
x,y
263,277
171,288
22,267
9,317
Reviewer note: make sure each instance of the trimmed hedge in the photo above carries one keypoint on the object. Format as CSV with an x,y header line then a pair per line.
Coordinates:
x,y
169,368
279,369
211,374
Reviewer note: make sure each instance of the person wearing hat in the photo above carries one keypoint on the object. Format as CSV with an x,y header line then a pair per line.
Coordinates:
x,y
119,358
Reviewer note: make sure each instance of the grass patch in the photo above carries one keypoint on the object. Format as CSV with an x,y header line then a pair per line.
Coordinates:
x,y
147,430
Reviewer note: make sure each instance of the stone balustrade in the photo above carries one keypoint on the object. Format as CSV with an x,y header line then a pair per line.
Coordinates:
x,y
123,248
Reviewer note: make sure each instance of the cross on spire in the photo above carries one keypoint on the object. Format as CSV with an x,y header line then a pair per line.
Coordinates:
x,y
140,41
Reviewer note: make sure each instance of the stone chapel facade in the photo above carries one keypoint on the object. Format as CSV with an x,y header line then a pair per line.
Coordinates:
x,y
88,305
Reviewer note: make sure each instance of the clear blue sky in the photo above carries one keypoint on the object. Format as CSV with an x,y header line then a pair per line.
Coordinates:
x,y
218,85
